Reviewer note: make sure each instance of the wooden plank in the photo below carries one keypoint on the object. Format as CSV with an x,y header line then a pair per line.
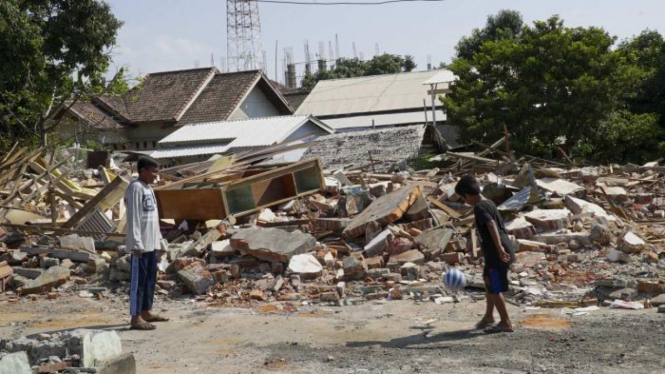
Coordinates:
x,y
93,203
474,243
473,158
450,211
6,271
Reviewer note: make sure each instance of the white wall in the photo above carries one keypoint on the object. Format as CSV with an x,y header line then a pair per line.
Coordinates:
x,y
255,105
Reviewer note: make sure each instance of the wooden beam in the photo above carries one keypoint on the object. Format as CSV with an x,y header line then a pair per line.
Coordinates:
x,y
92,203
450,211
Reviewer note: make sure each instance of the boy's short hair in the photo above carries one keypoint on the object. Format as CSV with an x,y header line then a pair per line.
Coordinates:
x,y
146,162
467,185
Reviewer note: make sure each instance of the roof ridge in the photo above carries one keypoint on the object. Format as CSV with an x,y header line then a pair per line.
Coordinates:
x,y
249,119
381,75
181,71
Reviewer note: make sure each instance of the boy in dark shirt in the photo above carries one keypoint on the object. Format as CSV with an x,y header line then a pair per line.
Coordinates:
x,y
497,251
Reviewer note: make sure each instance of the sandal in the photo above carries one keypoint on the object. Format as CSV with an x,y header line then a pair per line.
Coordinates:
x,y
482,324
158,318
496,329
144,326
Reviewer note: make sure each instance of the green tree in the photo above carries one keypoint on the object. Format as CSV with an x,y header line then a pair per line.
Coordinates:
x,y
627,137
507,24
52,52
645,54
546,83
349,68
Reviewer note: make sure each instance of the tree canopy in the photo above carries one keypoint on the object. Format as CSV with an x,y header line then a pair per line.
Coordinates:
x,y
349,68
553,85
51,52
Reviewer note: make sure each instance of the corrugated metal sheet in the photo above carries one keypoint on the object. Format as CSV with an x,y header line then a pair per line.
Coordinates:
x,y
97,221
254,131
381,120
368,94
185,151
443,76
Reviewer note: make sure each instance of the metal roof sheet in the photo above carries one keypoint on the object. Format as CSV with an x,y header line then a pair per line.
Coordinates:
x,y
189,151
244,133
222,136
381,120
443,76
368,94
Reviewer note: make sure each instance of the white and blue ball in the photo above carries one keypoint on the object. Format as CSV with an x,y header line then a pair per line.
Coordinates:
x,y
454,279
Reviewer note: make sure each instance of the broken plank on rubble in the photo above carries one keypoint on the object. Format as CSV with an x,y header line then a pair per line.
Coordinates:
x,y
199,204
385,210
450,211
472,158
92,204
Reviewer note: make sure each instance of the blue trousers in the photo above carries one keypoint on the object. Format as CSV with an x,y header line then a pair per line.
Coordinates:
x,y
143,280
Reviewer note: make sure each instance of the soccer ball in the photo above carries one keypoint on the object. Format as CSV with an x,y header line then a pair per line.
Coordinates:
x,y
454,279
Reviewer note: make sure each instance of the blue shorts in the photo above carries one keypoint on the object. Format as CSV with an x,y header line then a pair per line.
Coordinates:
x,y
496,279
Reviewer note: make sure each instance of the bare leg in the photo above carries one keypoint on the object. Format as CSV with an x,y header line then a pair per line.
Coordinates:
x,y
500,304
489,311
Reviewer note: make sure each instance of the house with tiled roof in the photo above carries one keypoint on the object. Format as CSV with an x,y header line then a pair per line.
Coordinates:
x,y
166,101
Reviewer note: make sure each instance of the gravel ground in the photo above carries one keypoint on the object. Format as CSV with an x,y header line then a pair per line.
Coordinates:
x,y
392,337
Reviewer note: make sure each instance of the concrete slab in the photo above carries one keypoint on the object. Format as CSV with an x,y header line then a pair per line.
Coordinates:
x,y
578,206
436,239
379,244
561,187
270,244
413,255
549,219
223,249
385,210
306,265
52,278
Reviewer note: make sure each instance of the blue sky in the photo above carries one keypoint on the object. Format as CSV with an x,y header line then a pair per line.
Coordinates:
x,y
161,35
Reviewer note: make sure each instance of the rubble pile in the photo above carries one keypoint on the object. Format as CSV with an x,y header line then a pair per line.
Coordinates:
x,y
70,352
293,234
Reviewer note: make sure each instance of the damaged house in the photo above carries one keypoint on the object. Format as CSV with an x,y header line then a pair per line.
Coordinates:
x,y
198,142
166,101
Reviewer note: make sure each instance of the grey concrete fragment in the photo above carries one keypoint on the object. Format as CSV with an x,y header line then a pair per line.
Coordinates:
x,y
435,239
15,363
124,364
271,244
28,273
52,278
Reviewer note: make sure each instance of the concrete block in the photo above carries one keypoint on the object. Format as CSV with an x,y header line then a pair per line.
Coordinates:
x,y
306,265
549,219
434,267
97,265
52,278
379,243
400,245
94,346
354,267
48,262
374,262
521,228
28,273
332,224
631,243
413,255
196,278
223,249
123,364
616,193
15,363
270,244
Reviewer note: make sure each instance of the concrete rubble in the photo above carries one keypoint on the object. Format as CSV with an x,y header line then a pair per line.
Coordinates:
x,y
75,351
583,235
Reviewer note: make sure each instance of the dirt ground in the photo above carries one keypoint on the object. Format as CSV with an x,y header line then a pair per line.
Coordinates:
x,y
377,337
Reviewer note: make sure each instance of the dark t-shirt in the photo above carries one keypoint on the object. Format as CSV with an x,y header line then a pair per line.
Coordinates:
x,y
484,212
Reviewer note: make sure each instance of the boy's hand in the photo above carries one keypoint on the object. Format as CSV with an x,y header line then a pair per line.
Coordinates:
x,y
503,255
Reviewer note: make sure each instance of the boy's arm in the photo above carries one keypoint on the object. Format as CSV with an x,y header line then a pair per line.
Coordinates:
x,y
494,231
